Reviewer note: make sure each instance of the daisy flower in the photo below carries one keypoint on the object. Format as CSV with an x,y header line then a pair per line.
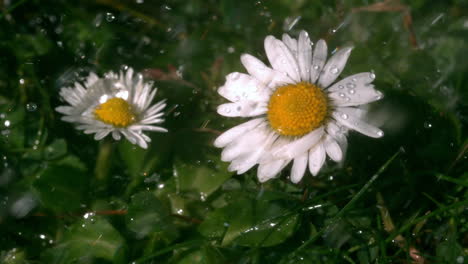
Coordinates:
x,y
299,112
118,104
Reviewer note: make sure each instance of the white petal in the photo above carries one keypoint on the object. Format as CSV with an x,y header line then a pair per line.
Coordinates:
x,y
318,60
316,158
266,75
242,109
148,128
267,171
347,117
281,58
249,160
116,135
350,96
291,43
304,55
241,86
299,167
246,143
233,133
334,67
101,134
155,108
299,146
353,81
333,149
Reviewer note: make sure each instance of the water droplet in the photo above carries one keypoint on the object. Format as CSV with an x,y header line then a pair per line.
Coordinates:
x,y
379,95
110,17
372,75
239,108
340,86
351,91
227,110
316,67
427,125
334,70
7,123
350,85
460,259
347,99
380,133
344,116
354,80
31,107
341,94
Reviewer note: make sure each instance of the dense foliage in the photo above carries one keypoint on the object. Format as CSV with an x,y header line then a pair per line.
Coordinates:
x,y
65,198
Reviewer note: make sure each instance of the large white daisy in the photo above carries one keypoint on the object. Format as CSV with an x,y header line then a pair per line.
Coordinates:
x,y
118,104
300,113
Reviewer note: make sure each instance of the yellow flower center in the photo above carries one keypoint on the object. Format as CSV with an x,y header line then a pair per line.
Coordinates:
x,y
296,109
115,111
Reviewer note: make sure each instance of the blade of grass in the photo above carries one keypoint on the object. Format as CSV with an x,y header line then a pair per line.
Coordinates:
x,y
343,210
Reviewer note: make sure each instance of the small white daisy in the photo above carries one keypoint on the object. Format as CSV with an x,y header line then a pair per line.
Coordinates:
x,y
118,104
301,115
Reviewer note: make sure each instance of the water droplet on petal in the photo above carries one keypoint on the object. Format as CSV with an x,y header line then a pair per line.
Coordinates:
x,y
351,91
316,67
344,116
350,85
334,70
239,108
427,125
354,80
379,95
372,75
380,133
340,86
341,94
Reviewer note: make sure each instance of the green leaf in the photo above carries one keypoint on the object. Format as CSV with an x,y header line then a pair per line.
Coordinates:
x,y
449,252
13,256
204,178
250,222
56,149
205,255
61,187
147,215
87,240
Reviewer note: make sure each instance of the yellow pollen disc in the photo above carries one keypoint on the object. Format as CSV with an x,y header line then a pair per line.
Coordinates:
x,y
296,109
115,111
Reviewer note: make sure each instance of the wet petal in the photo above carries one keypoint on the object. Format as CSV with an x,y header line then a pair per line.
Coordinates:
x,y
350,96
267,171
334,67
353,81
299,146
316,158
318,60
242,109
281,58
291,43
240,86
333,149
233,133
244,144
299,167
266,75
304,55
347,117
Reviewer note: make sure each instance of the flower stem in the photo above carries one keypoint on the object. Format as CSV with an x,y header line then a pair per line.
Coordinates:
x,y
103,160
